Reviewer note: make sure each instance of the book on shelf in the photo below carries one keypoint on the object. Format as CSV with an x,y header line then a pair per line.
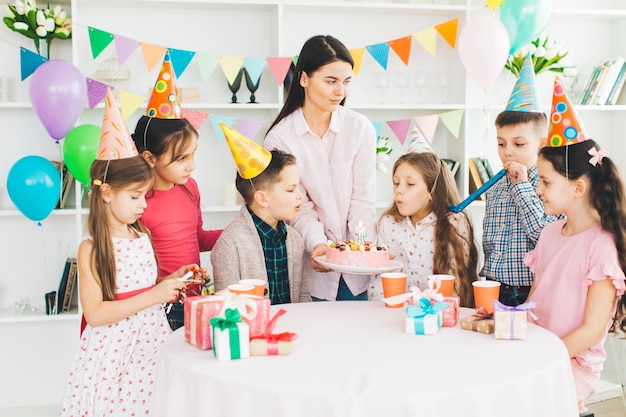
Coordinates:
x,y
613,68
67,180
475,182
66,287
587,90
580,84
604,84
452,164
488,168
480,168
595,86
618,87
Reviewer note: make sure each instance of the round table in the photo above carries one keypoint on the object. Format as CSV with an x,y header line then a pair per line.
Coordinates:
x,y
354,359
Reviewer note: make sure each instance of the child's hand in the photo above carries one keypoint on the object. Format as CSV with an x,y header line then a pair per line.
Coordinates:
x,y
319,250
517,172
167,291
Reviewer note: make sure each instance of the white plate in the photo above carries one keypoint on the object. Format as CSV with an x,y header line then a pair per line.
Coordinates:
x,y
394,266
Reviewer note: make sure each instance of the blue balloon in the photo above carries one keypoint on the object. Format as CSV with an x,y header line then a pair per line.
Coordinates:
x,y
524,20
34,185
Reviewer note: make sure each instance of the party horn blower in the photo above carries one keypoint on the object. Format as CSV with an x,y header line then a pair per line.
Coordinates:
x,y
473,196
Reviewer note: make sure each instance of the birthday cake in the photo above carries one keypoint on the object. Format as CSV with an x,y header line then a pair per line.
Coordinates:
x,y
364,255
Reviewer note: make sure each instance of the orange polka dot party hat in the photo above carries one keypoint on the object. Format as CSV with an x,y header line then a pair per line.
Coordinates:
x,y
164,103
115,141
250,157
565,125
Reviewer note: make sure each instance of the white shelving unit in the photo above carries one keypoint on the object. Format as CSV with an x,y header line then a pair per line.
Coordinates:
x,y
36,351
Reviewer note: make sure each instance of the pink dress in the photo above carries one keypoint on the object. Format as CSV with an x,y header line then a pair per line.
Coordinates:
x,y
114,368
565,267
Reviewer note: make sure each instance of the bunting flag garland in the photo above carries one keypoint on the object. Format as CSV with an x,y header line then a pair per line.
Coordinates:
x,y
402,48
428,125
124,48
99,40
279,67
152,54
448,31
180,60
400,128
380,52
357,57
254,65
29,62
96,92
231,66
130,102
215,122
249,128
207,63
195,117
452,120
377,127
428,39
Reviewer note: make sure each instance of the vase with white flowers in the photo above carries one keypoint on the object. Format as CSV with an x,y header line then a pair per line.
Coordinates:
x,y
39,24
382,153
547,55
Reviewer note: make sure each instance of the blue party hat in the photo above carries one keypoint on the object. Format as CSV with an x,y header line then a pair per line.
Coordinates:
x,y
524,95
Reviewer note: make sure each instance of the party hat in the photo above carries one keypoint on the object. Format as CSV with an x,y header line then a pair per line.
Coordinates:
x,y
524,95
251,158
418,143
565,125
115,141
164,102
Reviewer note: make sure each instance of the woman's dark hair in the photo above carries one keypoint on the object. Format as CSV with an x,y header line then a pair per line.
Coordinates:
x,y
606,195
316,52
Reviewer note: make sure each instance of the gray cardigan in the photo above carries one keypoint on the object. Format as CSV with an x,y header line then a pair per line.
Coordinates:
x,y
238,254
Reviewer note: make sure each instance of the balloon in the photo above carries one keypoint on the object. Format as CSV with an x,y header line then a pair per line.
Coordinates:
x,y
79,151
483,49
494,4
34,185
525,20
58,93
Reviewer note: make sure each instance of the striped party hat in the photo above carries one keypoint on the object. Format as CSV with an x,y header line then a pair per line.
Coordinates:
x,y
524,95
115,141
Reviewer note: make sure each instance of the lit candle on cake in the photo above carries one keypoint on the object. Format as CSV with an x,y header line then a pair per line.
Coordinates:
x,y
361,233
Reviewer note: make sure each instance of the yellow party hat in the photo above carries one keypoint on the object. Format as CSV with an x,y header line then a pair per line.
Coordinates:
x,y
164,103
250,157
115,141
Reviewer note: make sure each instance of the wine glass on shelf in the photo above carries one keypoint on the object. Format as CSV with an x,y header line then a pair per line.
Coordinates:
x,y
235,86
252,86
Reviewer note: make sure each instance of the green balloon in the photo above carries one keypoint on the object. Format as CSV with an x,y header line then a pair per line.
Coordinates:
x,y
79,151
524,20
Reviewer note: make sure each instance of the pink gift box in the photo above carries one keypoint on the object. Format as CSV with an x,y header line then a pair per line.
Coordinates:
x,y
199,310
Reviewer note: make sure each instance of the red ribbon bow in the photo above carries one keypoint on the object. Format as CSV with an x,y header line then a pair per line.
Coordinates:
x,y
273,339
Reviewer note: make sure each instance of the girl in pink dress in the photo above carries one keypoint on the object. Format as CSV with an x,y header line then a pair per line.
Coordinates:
x,y
579,261
113,372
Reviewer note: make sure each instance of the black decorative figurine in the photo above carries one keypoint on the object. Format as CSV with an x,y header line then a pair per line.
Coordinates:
x,y
251,86
234,87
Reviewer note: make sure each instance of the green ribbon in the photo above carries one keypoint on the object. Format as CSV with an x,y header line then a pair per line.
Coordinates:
x,y
230,324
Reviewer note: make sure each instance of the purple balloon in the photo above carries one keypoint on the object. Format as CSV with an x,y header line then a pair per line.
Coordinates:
x,y
58,93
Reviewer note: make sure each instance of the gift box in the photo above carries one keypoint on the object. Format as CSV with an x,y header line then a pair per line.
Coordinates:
x,y
254,311
231,336
511,321
450,314
478,323
271,343
425,318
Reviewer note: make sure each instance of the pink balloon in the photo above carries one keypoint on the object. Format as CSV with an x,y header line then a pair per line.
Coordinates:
x,y
58,93
483,49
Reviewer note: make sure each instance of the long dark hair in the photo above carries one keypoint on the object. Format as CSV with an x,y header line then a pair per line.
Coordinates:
x,y
606,195
316,52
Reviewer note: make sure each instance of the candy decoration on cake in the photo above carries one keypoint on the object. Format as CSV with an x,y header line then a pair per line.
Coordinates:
x,y
524,95
164,103
115,141
251,158
565,126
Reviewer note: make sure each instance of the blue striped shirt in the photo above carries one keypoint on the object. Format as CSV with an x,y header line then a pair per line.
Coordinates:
x,y
514,218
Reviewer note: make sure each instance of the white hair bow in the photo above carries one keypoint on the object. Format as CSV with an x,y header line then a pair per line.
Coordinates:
x,y
597,155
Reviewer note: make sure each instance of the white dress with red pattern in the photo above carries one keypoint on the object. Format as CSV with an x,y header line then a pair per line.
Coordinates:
x,y
114,368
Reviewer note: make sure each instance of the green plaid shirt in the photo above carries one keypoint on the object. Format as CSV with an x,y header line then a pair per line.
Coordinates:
x,y
275,251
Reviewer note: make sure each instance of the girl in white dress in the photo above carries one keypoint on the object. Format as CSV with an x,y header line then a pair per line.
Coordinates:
x,y
421,231
113,372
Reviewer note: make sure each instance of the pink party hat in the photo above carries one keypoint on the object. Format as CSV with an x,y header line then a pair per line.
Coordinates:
x,y
164,103
115,141
565,126
524,95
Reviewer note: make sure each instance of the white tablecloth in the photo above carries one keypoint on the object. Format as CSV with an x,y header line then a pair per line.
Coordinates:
x,y
354,359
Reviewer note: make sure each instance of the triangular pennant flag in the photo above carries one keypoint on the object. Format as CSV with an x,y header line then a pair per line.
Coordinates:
x,y
254,67
130,102
400,128
294,60
124,48
152,54
216,119
452,120
249,128
231,66
99,40
380,52
428,125
402,48
195,117
428,39
96,91
180,60
279,67
206,64
29,62
357,57
377,127
448,31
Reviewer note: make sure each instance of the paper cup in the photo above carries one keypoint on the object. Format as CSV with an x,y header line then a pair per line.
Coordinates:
x,y
394,283
241,288
446,284
485,292
259,285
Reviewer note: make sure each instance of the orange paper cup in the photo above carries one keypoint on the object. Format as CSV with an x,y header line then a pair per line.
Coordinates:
x,y
484,294
241,288
259,285
394,283
446,284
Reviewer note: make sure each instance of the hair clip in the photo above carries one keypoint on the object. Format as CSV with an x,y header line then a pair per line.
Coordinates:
x,y
97,182
597,155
